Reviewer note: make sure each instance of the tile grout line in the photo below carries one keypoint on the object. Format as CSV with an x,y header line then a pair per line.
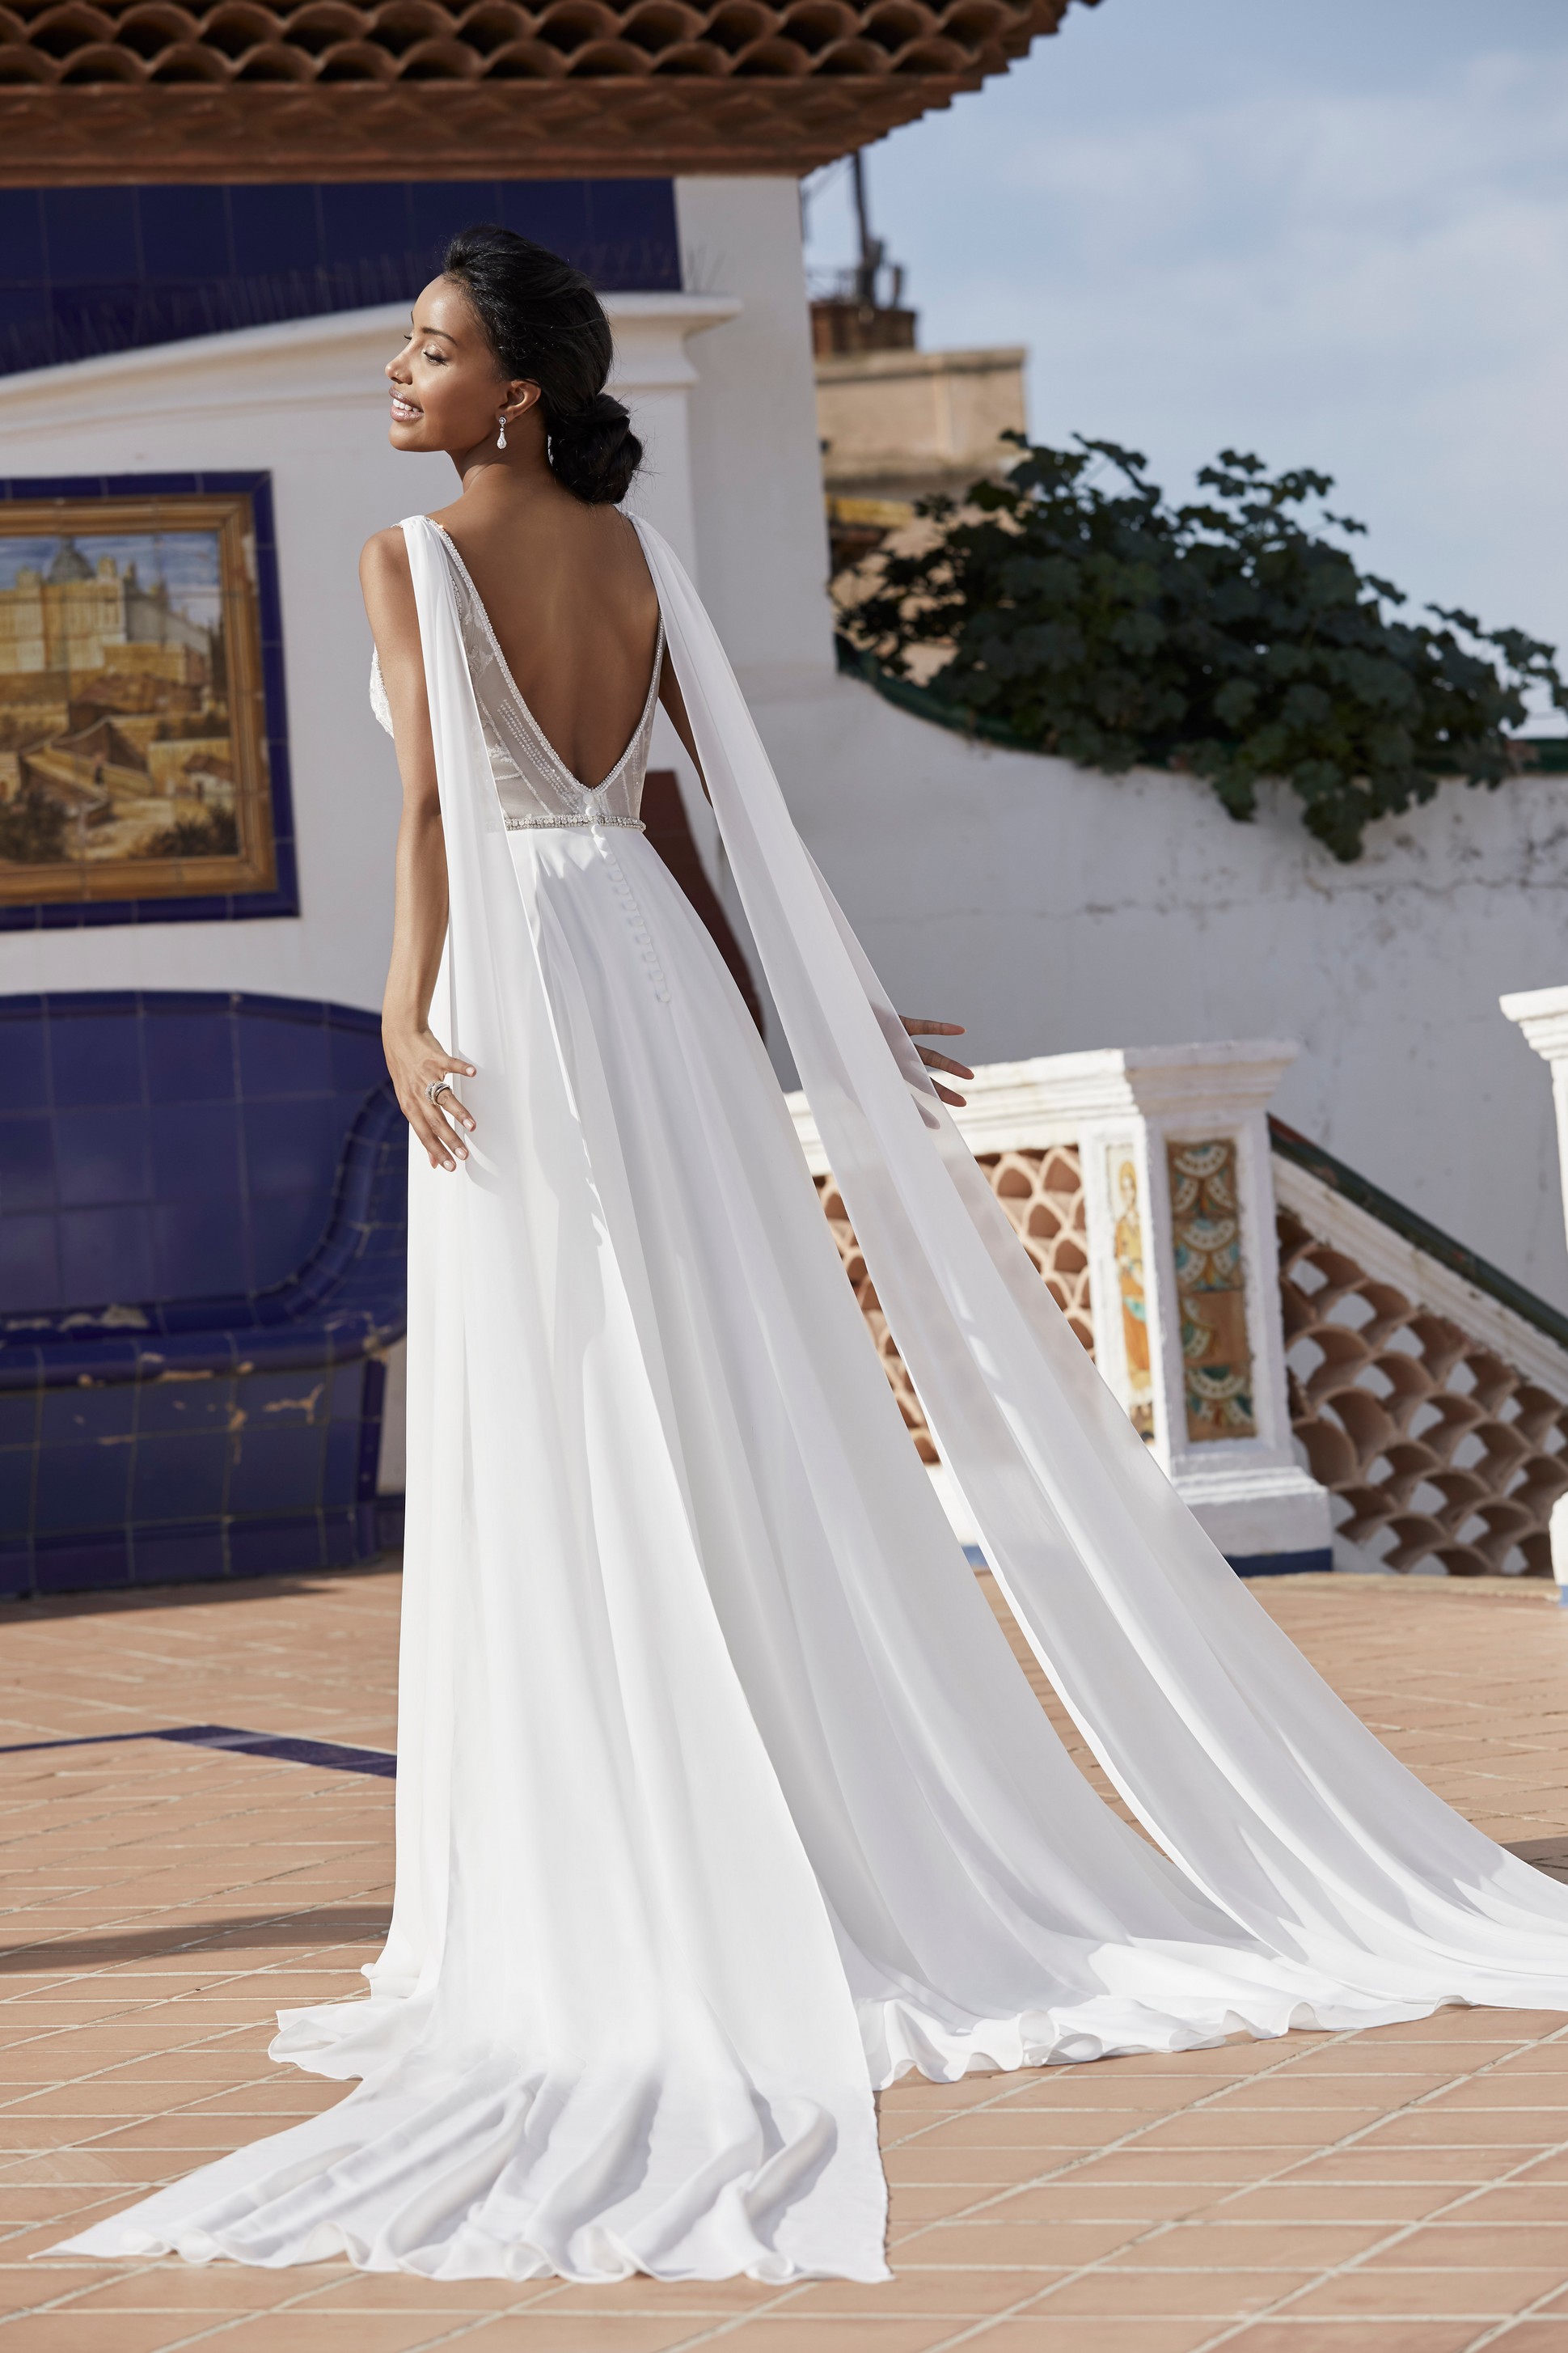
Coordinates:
x,y
1027,2305
1126,2140
1408,2230
232,1803
1437,2214
1496,2329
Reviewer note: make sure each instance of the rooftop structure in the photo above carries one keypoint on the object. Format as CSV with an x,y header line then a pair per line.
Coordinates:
x,y
246,90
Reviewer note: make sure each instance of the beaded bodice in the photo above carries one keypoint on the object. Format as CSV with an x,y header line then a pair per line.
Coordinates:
x,y
534,784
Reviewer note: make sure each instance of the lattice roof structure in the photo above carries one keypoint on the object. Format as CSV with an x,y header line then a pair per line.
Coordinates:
x,y
415,88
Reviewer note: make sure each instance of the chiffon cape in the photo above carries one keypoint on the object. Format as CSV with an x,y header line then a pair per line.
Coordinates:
x,y
721,1801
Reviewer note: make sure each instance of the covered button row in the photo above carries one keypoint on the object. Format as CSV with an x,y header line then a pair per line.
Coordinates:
x,y
637,925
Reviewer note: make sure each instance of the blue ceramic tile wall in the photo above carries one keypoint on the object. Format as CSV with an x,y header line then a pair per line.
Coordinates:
x,y
283,899
201,1205
85,270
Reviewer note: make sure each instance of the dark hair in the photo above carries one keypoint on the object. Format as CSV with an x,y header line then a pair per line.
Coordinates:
x,y
543,321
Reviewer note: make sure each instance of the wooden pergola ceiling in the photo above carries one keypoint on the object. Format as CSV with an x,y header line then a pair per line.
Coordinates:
x,y
412,90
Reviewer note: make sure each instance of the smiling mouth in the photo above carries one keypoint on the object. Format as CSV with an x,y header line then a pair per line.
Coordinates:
x,y
405,410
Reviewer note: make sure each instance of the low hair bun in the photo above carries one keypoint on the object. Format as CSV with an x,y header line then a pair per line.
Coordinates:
x,y
594,451
544,323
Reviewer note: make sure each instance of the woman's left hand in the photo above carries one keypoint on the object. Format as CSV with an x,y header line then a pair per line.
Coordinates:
x,y
935,1062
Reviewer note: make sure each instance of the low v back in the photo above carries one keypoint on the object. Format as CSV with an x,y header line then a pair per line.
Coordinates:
x,y
532,783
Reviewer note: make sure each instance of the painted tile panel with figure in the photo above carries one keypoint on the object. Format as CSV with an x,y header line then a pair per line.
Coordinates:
x,y
1211,1289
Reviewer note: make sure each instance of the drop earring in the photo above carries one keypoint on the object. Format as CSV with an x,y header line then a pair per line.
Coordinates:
x,y
501,437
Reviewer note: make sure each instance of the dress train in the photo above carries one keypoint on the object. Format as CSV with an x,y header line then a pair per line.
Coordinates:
x,y
721,1799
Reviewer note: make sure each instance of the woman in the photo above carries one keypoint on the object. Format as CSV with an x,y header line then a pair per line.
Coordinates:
x,y
721,1801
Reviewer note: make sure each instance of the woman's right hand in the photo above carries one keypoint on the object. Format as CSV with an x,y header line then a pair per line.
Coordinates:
x,y
416,1059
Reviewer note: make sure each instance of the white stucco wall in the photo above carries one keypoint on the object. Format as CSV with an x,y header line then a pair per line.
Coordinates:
x,y
1051,910
305,401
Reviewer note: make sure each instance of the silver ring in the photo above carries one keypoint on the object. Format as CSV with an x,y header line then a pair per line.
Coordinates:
x,y
437,1087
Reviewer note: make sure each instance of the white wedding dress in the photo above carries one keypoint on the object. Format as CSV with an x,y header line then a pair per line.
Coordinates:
x,y
721,1801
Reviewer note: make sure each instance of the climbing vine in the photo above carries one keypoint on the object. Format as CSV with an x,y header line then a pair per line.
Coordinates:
x,y
1073,609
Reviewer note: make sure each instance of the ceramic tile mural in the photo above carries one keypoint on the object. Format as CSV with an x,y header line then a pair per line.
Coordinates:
x,y
1211,1290
1130,1282
134,756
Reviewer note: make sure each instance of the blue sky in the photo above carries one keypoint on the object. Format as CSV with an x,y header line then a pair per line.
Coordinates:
x,y
1337,235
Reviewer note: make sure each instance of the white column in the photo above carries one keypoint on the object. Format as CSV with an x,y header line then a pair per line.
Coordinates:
x,y
1184,1266
762,531
1186,1280
1543,1014
654,374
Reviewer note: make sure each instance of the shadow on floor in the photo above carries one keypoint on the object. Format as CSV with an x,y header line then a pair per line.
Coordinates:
x,y
197,1594
1548,1854
292,1931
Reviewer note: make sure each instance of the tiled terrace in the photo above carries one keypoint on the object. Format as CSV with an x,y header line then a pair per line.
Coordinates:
x,y
1403,2190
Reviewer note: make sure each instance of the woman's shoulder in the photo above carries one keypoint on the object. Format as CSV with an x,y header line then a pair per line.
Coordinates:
x,y
385,556
386,584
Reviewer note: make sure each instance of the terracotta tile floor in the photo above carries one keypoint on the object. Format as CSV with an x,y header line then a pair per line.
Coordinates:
x,y
1403,2190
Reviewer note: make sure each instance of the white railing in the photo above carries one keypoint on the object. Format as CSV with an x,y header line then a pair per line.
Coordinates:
x,y
1326,1377
1543,1014
1140,1181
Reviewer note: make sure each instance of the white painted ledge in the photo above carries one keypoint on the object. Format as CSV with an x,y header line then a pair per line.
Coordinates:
x,y
1543,1014
650,330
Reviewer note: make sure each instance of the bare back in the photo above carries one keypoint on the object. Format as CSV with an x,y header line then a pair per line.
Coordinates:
x,y
568,594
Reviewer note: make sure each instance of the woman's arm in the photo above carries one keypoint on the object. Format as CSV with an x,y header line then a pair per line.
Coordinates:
x,y
414,1056
669,694
674,701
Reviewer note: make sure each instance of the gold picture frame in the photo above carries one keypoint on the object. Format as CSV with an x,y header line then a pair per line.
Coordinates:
x,y
134,758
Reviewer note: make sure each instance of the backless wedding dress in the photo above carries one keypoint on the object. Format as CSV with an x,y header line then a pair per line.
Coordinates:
x,y
721,1801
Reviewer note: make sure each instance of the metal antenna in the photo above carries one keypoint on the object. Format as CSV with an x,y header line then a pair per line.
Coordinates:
x,y
871,247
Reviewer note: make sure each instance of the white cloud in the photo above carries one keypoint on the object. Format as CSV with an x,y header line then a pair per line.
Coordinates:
x,y
1342,254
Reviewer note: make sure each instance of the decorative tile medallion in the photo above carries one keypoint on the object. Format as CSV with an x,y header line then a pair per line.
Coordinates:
x,y
142,755
1211,1290
1132,1289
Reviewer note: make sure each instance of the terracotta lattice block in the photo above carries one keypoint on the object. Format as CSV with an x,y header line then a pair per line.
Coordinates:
x,y
1042,1193
1425,1432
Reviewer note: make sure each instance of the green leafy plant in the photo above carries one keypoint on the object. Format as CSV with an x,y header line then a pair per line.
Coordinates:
x,y
1073,609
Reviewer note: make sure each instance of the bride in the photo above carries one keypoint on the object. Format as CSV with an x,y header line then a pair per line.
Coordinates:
x,y
721,1801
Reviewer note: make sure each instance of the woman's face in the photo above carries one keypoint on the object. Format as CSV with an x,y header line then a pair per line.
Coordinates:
x,y
448,391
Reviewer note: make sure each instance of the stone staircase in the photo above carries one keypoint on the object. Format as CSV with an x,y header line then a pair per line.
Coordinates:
x,y
1428,1391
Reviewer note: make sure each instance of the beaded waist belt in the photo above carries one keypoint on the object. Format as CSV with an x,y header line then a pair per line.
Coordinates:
x,y
559,824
